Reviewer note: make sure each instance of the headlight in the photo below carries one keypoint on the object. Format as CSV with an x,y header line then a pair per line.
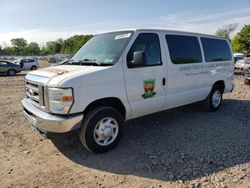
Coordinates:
x,y
60,100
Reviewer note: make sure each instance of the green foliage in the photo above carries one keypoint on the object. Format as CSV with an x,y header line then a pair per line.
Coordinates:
x,y
18,42
33,48
241,42
226,30
19,46
244,39
44,51
73,44
236,44
9,51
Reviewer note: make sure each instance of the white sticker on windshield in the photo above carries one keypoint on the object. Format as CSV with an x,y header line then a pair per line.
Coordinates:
x,y
126,35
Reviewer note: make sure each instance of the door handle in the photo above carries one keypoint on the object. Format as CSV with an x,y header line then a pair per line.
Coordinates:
x,y
163,81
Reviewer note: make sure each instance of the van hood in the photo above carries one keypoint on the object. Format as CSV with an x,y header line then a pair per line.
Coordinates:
x,y
59,73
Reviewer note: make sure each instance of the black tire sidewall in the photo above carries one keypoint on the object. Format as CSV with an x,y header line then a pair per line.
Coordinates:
x,y
33,67
211,107
14,72
88,126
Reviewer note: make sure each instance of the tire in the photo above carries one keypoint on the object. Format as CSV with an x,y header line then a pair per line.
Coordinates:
x,y
33,67
11,72
247,81
214,99
96,129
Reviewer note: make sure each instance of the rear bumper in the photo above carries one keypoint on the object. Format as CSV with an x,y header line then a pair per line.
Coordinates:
x,y
46,122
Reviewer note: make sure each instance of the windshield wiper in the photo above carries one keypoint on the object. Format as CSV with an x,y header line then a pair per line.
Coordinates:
x,y
88,62
91,61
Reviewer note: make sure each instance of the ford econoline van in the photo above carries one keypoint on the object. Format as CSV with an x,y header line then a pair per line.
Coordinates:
x,y
122,75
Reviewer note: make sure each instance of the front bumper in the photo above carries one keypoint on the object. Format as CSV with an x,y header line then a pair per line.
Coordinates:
x,y
46,122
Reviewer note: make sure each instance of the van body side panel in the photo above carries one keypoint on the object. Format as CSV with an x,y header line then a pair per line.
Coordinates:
x,y
220,70
93,86
185,81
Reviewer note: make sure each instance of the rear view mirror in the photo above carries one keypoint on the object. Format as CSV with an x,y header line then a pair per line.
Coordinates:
x,y
139,59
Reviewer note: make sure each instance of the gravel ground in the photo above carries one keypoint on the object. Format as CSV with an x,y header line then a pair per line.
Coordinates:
x,y
184,147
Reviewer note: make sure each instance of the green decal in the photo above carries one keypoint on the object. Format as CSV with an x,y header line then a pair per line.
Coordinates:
x,y
149,86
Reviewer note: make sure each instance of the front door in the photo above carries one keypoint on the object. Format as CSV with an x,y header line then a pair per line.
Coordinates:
x,y
3,67
26,65
145,84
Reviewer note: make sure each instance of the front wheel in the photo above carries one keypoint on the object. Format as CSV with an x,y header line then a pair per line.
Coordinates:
x,y
11,72
214,99
101,129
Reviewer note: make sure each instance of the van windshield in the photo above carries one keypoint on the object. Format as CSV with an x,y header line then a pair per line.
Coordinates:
x,y
103,49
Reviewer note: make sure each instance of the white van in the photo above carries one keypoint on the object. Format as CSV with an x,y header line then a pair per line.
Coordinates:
x,y
122,75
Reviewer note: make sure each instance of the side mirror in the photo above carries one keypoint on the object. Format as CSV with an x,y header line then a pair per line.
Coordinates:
x,y
139,59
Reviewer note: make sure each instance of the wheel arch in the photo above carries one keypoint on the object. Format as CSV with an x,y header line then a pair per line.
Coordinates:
x,y
221,84
113,102
31,68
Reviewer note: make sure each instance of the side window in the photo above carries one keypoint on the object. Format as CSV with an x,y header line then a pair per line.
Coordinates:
x,y
184,49
149,44
31,60
2,63
216,49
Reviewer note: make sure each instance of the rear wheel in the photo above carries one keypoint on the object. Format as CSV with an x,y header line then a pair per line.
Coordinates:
x,y
247,81
102,129
11,72
33,67
214,99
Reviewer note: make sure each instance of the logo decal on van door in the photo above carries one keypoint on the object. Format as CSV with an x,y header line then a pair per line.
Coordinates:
x,y
149,86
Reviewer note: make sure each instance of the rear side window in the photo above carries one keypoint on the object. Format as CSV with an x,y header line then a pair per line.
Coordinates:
x,y
2,63
216,49
150,45
31,60
184,49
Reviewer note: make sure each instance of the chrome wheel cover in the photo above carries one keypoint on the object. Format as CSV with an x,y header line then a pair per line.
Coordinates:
x,y
216,98
106,131
12,72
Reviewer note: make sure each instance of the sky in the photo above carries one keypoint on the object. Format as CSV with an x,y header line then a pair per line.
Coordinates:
x,y
44,20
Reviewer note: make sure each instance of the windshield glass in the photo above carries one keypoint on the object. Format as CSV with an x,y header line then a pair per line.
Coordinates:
x,y
17,61
103,49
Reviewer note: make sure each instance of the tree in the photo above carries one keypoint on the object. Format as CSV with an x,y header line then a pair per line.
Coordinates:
x,y
19,44
8,51
244,38
226,31
73,44
236,44
44,51
241,42
32,49
53,47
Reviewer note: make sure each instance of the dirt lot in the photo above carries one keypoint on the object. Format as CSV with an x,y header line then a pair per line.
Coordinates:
x,y
184,147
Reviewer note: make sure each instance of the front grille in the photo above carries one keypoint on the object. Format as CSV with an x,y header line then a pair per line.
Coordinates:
x,y
35,93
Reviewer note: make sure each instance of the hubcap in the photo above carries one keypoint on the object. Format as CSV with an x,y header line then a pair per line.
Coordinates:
x,y
12,72
216,98
106,131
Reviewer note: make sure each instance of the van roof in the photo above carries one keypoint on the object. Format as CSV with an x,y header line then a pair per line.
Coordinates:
x,y
167,30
